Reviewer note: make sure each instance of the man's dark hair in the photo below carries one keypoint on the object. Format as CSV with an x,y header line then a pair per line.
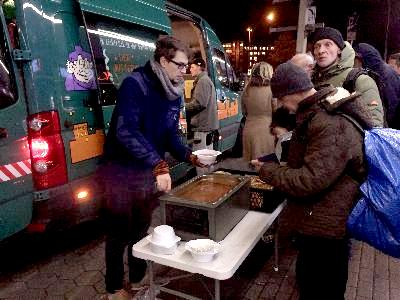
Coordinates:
x,y
167,46
396,57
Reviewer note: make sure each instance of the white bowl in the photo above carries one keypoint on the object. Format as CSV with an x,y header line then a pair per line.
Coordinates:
x,y
164,235
203,250
161,249
207,156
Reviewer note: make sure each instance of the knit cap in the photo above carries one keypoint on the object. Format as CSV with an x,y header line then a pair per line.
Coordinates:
x,y
331,34
289,79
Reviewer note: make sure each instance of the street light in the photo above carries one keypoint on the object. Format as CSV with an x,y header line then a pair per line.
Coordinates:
x,y
270,17
249,30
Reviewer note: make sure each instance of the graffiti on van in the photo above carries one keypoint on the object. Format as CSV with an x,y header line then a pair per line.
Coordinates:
x,y
80,71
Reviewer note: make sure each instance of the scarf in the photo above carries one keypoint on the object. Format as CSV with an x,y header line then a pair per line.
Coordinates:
x,y
172,90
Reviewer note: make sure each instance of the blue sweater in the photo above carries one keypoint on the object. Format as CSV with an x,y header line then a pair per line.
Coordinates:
x,y
144,124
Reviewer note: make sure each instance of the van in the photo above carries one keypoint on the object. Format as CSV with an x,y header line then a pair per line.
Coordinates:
x,y
61,65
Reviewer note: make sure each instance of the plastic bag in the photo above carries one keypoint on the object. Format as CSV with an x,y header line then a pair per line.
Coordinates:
x,y
376,217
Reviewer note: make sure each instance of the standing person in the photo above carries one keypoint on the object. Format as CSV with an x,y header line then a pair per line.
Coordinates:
x,y
304,61
334,61
143,127
202,107
322,178
257,107
394,62
389,80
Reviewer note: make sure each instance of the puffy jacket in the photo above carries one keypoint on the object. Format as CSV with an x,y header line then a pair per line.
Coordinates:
x,y
336,75
324,170
144,124
390,82
203,105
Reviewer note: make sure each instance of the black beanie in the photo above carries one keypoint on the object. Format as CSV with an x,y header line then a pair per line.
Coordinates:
x,y
331,34
289,79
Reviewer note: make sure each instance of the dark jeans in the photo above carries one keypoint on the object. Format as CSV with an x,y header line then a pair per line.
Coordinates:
x,y
130,201
322,266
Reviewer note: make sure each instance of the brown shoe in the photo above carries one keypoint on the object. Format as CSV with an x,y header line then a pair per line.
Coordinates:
x,y
119,295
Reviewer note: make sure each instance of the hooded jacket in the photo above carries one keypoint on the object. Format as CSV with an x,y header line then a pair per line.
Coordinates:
x,y
324,170
390,82
336,75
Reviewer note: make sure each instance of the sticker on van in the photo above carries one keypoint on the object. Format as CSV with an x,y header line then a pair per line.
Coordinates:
x,y
80,71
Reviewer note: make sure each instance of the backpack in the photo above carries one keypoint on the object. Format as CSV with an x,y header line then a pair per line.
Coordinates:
x,y
351,78
375,219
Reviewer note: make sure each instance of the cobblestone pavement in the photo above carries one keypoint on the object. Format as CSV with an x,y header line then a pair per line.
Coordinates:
x,y
72,267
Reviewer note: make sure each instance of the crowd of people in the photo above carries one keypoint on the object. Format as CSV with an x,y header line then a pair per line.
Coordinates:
x,y
291,135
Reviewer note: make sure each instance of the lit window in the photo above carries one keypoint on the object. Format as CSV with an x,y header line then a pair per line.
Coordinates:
x,y
241,44
250,64
255,48
272,48
263,53
251,58
263,48
251,53
255,58
233,44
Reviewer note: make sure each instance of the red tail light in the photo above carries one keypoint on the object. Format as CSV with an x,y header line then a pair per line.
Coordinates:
x,y
49,168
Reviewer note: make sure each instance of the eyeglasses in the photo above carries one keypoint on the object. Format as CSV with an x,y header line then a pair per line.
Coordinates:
x,y
181,66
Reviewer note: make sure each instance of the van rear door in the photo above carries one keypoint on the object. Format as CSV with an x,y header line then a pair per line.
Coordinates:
x,y
15,169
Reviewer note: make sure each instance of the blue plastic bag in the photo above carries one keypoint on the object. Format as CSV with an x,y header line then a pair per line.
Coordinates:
x,y
376,217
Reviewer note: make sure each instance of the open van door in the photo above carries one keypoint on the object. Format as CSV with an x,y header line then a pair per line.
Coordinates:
x,y
15,167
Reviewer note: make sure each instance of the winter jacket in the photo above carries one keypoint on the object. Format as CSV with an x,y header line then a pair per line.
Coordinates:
x,y
203,105
390,82
324,170
144,123
336,75
257,107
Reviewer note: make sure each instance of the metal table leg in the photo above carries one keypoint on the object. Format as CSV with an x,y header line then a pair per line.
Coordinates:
x,y
276,246
152,289
217,295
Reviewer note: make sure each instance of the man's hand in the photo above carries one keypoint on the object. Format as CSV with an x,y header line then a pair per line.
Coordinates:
x,y
195,161
163,182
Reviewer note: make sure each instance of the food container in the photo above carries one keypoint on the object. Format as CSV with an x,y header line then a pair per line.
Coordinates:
x,y
207,206
263,196
163,240
207,156
203,250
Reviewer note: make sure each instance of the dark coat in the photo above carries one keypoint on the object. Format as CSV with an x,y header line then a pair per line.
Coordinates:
x,y
144,123
324,170
390,81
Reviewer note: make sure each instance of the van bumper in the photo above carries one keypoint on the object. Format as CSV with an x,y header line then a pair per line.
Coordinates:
x,y
65,205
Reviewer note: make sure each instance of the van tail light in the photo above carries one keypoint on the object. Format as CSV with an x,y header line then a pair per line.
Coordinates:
x,y
49,168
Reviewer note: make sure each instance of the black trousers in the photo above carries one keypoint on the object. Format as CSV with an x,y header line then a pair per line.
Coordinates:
x,y
130,201
322,266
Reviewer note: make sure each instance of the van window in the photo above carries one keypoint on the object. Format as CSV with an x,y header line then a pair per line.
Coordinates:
x,y
220,65
118,48
8,95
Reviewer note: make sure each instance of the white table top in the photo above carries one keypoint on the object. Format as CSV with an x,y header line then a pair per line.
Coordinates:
x,y
235,248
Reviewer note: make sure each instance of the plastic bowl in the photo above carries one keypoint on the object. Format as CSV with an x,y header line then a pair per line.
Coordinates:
x,y
164,235
203,250
207,156
161,249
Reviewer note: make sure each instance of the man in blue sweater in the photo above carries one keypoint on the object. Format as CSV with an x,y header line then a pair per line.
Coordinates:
x,y
143,127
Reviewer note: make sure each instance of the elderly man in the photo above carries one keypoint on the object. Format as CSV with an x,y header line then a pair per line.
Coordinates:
x,y
143,127
304,61
394,62
322,177
334,61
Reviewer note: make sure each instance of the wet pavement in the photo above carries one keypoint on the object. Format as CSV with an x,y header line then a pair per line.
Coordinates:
x,y
70,265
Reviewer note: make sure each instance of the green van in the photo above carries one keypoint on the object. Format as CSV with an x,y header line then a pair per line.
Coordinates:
x,y
61,65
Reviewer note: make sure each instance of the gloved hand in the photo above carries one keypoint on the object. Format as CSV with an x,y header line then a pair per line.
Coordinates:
x,y
163,182
195,161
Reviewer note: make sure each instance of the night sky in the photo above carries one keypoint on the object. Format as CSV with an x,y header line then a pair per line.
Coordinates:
x,y
230,19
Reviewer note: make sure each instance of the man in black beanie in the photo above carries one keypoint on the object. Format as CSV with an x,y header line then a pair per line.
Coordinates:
x,y
334,61
321,178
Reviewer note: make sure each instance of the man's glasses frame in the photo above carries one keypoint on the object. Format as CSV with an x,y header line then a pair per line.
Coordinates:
x,y
181,66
